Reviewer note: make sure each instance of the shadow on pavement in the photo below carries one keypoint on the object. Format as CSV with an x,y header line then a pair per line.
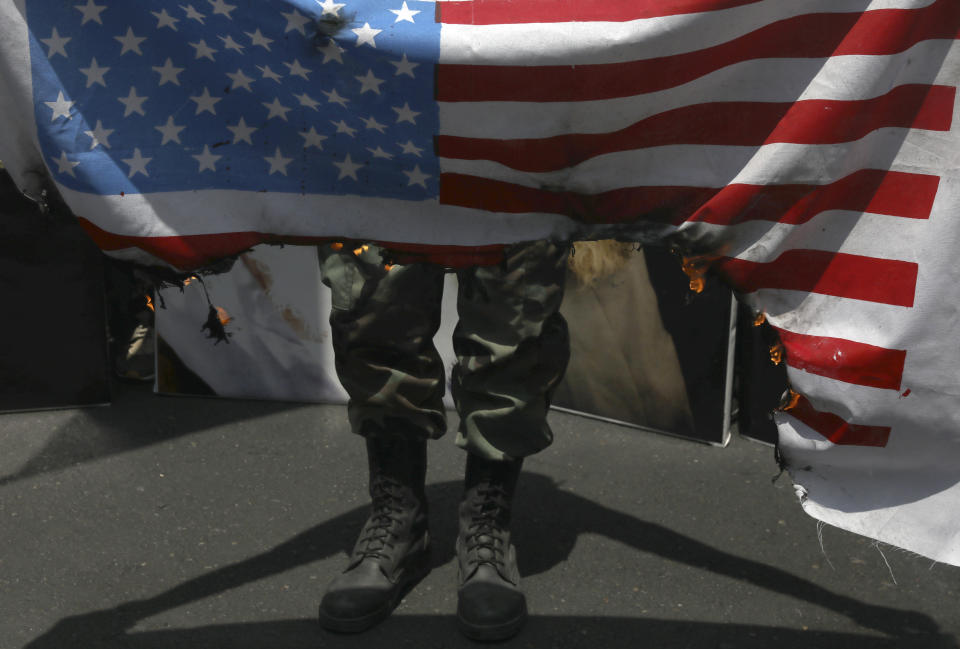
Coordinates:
x,y
138,418
439,631
560,517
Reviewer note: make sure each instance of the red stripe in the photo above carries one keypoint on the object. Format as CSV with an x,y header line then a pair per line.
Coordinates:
x,y
195,251
877,32
492,12
836,429
869,190
183,252
657,204
814,121
844,360
887,281
876,191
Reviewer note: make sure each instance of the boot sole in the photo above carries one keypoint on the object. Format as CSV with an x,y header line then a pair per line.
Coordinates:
x,y
497,633
418,570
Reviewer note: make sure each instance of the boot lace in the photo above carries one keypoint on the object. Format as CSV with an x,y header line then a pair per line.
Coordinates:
x,y
380,532
485,535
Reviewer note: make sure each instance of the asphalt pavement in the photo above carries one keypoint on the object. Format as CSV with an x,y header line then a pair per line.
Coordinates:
x,y
184,523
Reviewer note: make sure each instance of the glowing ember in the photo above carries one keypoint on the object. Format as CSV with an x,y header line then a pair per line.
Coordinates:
x,y
793,398
759,320
776,354
336,245
150,303
695,268
387,267
223,316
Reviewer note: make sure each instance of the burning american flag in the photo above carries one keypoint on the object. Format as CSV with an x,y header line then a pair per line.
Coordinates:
x,y
806,151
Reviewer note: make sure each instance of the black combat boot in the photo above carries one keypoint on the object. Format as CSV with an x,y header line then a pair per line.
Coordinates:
x,y
392,553
490,604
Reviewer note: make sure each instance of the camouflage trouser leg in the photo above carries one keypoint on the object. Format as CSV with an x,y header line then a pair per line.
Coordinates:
x,y
511,344
383,323
512,350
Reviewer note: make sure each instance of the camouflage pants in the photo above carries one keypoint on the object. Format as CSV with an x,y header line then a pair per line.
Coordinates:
x,y
511,345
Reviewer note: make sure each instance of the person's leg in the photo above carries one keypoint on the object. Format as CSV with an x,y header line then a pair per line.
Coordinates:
x,y
383,322
512,349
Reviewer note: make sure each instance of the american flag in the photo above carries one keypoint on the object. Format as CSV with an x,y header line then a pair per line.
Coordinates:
x,y
804,149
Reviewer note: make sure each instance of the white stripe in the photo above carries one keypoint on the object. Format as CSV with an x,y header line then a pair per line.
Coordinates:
x,y
769,80
868,406
717,166
165,214
798,436
856,404
586,43
687,165
815,314
853,233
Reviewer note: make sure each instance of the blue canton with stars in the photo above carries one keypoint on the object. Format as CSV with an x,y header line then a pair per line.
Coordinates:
x,y
263,95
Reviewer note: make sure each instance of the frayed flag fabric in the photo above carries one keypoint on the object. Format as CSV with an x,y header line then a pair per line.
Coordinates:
x,y
807,152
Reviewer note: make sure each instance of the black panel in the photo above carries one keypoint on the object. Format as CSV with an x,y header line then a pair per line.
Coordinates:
x,y
53,348
760,382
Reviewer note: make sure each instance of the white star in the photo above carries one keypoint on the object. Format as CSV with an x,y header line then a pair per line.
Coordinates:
x,y
64,165
221,7
165,20
256,38
333,97
372,124
405,114
241,132
268,73
330,7
138,164
331,52
404,66
205,102
203,50
133,103
130,42
404,13
230,44
278,164
56,44
193,13
348,168
366,34
90,12
240,80
95,74
297,70
295,21
417,177
61,107
99,135
171,132
206,159
277,109
312,138
369,82
410,147
168,73
343,128
308,101
380,153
